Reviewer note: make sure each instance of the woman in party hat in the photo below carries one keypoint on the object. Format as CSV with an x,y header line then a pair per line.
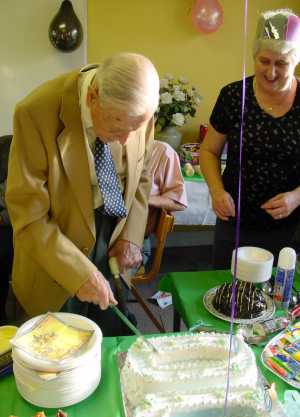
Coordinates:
x,y
270,171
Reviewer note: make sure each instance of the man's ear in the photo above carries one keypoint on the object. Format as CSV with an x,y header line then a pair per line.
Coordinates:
x,y
92,95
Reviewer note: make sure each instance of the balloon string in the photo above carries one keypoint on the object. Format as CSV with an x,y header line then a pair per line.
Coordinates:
x,y
238,221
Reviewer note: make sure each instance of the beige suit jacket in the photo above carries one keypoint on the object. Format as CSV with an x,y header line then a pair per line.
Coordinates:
x,y
49,195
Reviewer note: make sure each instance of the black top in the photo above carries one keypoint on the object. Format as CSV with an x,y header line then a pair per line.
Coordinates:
x,y
271,153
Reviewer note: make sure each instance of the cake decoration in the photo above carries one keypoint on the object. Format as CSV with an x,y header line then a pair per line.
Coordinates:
x,y
250,301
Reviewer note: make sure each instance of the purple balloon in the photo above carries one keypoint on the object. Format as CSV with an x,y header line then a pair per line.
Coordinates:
x,y
207,15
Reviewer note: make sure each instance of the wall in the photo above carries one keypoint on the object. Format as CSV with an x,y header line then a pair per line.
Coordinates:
x,y
162,30
27,56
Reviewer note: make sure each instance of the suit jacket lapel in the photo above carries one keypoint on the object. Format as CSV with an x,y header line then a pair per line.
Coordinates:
x,y
132,152
73,151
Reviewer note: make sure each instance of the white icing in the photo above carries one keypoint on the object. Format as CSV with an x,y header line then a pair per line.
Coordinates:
x,y
188,377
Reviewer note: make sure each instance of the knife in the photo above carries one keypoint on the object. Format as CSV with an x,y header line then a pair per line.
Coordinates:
x,y
114,268
132,327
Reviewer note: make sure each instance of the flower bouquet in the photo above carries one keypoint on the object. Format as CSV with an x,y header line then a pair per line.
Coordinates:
x,y
177,104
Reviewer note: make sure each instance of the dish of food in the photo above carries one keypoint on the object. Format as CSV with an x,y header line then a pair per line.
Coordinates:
x,y
265,314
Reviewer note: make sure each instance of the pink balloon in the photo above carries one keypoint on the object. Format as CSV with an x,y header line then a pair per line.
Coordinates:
x,y
207,15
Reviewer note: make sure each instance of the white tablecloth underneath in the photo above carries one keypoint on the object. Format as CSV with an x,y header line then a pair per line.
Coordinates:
x,y
199,210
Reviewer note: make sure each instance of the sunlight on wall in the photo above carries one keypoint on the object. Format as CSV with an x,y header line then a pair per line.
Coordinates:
x,y
163,31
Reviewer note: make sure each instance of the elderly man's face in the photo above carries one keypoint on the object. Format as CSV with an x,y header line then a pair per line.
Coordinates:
x,y
110,123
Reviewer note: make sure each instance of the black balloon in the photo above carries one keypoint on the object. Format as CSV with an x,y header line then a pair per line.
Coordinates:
x,y
65,30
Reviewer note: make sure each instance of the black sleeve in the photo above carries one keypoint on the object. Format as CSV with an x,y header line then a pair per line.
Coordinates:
x,y
219,117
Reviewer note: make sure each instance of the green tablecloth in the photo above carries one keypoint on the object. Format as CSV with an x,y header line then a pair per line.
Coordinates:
x,y
106,401
194,178
188,289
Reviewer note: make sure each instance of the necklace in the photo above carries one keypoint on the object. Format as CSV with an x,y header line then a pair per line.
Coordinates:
x,y
270,109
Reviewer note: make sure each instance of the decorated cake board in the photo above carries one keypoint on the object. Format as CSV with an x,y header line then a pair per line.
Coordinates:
x,y
265,356
208,304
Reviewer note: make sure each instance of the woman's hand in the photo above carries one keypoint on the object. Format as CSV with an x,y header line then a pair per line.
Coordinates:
x,y
223,204
282,205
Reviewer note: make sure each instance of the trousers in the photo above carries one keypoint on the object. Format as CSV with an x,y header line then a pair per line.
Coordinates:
x,y
109,323
6,260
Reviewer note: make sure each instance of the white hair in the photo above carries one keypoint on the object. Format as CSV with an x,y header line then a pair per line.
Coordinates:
x,y
128,81
276,45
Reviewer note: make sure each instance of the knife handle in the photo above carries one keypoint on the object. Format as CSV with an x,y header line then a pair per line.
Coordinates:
x,y
114,268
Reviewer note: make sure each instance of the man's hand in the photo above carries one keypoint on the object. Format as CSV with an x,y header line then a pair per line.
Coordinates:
x,y
96,290
282,204
127,253
223,204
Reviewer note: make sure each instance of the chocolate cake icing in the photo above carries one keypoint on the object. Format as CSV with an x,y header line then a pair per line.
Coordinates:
x,y
250,302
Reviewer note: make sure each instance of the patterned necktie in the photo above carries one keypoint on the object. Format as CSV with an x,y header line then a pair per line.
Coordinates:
x,y
108,181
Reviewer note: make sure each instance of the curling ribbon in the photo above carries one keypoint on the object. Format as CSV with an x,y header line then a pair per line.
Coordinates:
x,y
237,232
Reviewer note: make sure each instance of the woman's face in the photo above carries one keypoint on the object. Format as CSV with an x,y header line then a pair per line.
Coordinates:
x,y
274,72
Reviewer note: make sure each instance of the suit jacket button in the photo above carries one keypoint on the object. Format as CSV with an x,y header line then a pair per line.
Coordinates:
x,y
85,251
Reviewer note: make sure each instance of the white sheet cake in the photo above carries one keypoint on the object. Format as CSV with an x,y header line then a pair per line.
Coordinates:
x,y
188,377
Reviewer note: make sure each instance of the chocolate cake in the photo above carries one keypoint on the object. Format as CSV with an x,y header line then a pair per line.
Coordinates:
x,y
250,302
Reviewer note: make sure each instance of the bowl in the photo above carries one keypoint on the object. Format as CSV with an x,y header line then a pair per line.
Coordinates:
x,y
189,153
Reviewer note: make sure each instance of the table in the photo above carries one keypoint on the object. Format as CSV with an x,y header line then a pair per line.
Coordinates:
x,y
199,211
106,401
188,289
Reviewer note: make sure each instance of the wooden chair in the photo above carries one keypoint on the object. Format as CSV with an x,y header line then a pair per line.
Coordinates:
x,y
164,226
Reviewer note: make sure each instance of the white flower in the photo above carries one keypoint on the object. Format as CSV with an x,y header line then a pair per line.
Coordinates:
x,y
178,119
183,79
164,83
178,102
197,100
179,95
166,98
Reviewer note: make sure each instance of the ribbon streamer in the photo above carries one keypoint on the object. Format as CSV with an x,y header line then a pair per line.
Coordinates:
x,y
237,233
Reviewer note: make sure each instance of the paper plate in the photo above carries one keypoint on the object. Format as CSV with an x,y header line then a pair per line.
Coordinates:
x,y
265,315
44,365
64,383
6,333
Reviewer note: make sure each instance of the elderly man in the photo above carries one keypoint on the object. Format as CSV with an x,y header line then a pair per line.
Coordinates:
x,y
77,189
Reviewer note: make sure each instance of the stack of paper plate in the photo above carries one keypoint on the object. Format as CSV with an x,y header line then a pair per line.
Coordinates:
x,y
253,264
56,384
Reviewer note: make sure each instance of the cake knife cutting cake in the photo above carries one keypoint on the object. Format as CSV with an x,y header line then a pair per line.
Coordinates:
x,y
189,376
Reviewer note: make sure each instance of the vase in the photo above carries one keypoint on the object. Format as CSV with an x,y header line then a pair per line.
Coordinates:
x,y
170,135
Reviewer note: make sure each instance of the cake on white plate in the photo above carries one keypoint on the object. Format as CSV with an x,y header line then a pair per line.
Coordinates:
x,y
188,378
